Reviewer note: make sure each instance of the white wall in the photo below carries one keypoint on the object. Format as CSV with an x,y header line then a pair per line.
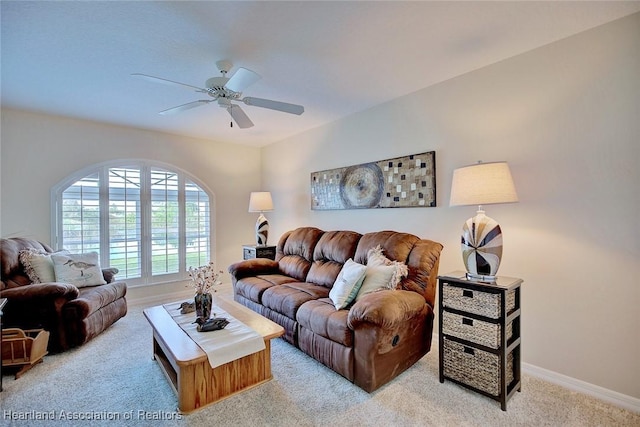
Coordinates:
x,y
40,150
567,119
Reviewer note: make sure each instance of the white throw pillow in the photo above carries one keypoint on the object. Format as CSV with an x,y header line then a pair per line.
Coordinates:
x,y
78,269
377,277
38,265
347,284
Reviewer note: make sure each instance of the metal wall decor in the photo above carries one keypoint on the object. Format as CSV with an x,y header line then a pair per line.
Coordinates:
x,y
408,181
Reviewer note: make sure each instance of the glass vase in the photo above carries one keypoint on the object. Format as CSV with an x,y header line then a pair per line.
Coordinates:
x,y
204,302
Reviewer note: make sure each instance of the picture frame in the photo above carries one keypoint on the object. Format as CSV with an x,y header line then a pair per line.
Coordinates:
x,y
407,181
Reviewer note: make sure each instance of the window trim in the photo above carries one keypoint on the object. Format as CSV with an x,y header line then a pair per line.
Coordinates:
x,y
145,165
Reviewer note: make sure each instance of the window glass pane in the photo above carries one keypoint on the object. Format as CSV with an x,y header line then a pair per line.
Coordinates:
x,y
81,215
165,227
125,240
197,225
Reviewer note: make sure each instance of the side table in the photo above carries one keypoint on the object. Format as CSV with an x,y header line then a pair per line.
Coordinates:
x,y
3,301
253,251
479,332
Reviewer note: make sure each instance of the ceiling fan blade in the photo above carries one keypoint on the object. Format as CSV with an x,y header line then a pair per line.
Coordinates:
x,y
167,82
274,105
186,106
242,79
239,116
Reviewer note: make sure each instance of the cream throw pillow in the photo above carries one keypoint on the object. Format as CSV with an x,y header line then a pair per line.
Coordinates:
x,y
375,257
78,269
347,284
376,277
38,265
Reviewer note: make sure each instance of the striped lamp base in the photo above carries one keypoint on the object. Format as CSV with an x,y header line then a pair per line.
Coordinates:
x,y
262,230
481,247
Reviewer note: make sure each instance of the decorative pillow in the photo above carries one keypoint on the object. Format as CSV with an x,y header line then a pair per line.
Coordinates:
x,y
377,277
38,265
376,257
78,269
347,284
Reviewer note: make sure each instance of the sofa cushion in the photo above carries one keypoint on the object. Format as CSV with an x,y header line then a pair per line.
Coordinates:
x,y
396,246
347,284
320,317
423,260
78,269
295,251
287,298
333,249
252,288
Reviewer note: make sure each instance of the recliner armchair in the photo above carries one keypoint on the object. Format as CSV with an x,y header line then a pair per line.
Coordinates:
x,y
72,315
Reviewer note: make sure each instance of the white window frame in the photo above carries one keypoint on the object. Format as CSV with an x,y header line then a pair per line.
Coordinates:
x,y
145,167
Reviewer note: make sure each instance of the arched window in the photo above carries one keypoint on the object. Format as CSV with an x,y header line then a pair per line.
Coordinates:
x,y
149,220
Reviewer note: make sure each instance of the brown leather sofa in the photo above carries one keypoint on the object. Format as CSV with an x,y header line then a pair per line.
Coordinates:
x,y
372,341
72,315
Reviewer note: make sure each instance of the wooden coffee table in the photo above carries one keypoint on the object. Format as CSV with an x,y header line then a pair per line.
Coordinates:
x,y
187,367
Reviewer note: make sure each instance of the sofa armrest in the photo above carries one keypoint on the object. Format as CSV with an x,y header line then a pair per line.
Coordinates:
x,y
253,267
386,308
41,291
109,274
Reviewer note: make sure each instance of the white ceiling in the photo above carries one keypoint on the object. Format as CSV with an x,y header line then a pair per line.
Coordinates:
x,y
335,58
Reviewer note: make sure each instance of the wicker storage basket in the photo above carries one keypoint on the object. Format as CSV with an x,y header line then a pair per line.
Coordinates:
x,y
482,303
474,367
477,331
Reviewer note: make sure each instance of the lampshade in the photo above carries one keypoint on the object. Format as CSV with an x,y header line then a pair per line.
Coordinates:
x,y
260,201
481,241
482,184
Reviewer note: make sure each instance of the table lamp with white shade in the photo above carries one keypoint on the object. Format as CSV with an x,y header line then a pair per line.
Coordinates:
x,y
482,184
260,201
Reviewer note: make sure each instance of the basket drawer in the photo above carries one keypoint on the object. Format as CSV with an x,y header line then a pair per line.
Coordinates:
x,y
472,301
474,330
476,368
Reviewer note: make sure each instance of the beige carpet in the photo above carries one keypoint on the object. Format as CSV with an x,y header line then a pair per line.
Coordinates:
x,y
113,379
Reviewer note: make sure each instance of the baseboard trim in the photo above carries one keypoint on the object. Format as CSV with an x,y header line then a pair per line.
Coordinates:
x,y
618,399
181,295
613,397
159,299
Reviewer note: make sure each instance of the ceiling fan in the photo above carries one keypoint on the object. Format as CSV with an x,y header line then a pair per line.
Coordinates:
x,y
226,90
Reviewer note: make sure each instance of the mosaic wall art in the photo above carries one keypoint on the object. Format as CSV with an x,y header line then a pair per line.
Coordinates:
x,y
408,181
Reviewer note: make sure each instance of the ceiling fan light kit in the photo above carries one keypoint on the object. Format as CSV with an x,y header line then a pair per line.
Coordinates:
x,y
225,89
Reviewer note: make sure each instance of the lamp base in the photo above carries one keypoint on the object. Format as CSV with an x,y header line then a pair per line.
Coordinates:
x,y
262,230
481,245
481,278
